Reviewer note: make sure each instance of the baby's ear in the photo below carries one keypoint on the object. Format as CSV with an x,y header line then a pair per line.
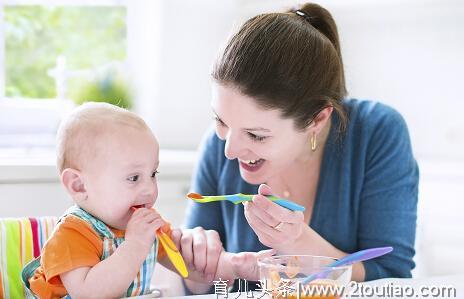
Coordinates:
x,y
72,181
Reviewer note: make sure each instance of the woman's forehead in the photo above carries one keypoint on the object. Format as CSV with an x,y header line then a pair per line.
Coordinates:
x,y
229,100
239,113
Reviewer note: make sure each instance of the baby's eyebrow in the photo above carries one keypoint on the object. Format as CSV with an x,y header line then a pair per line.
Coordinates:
x,y
135,165
140,165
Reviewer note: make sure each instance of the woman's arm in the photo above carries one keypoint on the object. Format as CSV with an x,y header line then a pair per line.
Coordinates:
x,y
294,236
388,206
202,241
387,210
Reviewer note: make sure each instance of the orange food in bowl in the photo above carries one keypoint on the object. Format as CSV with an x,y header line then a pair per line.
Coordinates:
x,y
292,267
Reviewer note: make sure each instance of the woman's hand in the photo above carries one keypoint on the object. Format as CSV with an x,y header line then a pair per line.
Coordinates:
x,y
201,250
275,226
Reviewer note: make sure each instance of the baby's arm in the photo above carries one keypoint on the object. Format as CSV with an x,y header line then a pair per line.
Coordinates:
x,y
231,266
111,277
242,265
227,266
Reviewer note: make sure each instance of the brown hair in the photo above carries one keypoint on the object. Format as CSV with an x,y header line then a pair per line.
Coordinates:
x,y
289,62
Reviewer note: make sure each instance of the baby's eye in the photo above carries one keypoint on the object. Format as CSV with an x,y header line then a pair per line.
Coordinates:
x,y
133,178
154,173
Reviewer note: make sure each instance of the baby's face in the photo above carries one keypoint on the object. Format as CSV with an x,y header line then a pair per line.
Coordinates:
x,y
121,174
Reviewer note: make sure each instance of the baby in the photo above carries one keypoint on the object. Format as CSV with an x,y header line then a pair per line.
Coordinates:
x,y
108,160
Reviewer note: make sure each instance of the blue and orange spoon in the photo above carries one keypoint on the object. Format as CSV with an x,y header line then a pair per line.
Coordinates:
x,y
239,198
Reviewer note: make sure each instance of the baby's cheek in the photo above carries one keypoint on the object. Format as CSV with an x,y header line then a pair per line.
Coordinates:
x,y
156,192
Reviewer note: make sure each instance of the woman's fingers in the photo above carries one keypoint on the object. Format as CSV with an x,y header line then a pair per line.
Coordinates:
x,y
186,242
264,190
263,215
270,230
199,249
214,249
262,230
273,210
279,213
176,235
274,225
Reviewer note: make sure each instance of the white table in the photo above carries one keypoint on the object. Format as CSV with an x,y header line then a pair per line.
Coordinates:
x,y
453,281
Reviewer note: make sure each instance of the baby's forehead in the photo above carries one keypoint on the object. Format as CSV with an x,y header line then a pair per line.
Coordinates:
x,y
106,129
92,138
110,138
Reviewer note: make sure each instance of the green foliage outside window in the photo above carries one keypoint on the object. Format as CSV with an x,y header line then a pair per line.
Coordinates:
x,y
109,87
88,37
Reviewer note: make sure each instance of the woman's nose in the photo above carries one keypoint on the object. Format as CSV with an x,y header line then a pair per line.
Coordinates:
x,y
234,147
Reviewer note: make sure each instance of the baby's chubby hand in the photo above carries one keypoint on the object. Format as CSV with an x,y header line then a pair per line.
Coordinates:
x,y
242,265
142,226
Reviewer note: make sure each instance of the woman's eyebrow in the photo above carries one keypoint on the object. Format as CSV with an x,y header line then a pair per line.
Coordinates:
x,y
257,129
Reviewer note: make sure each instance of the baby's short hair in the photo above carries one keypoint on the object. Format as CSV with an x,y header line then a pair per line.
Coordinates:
x,y
88,121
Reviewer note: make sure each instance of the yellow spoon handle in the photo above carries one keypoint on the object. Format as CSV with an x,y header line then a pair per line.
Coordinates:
x,y
171,250
173,253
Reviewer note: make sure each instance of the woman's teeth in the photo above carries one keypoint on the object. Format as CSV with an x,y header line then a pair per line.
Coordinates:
x,y
252,162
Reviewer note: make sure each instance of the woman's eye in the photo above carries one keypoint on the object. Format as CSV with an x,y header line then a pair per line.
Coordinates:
x,y
154,173
255,137
133,178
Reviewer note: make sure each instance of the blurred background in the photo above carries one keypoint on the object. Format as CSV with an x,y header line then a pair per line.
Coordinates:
x,y
155,57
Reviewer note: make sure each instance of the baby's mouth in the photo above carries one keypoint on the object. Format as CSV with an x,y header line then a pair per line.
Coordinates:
x,y
138,206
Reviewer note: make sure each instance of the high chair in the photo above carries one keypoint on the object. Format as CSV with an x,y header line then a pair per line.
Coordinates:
x,y
21,240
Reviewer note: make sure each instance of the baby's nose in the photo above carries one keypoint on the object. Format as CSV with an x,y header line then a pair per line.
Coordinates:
x,y
149,190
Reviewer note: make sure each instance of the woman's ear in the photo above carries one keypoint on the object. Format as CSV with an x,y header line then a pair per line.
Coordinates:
x,y
321,119
72,181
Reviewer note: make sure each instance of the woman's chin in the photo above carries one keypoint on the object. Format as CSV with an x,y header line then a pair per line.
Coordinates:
x,y
253,178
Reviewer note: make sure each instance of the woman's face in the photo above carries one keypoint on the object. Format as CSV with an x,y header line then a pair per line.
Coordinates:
x,y
264,143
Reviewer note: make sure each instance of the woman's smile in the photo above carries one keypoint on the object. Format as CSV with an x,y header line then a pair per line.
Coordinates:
x,y
251,165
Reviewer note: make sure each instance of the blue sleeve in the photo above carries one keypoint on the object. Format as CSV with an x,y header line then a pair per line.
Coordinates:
x,y
205,181
388,206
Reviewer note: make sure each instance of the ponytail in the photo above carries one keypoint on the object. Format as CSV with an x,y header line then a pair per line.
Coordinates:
x,y
321,19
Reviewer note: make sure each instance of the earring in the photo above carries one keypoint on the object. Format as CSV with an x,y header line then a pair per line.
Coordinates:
x,y
313,142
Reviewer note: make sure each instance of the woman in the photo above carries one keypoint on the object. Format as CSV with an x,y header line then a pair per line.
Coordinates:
x,y
284,127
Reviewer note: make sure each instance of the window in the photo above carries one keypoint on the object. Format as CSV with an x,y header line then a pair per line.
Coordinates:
x,y
53,54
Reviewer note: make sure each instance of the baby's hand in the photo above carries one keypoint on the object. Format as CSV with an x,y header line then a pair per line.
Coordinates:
x,y
245,264
142,226
242,265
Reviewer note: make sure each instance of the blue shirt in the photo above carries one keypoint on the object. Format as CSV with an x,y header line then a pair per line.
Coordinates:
x,y
366,194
